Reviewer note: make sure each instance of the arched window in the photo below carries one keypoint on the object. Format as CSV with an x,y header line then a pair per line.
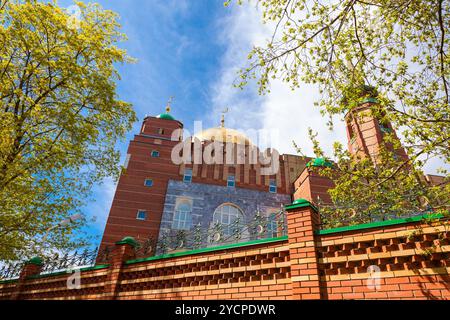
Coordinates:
x,y
182,217
231,220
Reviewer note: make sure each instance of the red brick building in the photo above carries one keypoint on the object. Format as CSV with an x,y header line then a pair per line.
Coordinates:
x,y
395,259
173,182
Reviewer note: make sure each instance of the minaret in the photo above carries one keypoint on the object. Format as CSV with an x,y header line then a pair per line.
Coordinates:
x,y
138,202
365,131
159,126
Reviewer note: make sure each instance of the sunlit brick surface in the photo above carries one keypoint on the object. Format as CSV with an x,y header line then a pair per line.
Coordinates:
x,y
412,259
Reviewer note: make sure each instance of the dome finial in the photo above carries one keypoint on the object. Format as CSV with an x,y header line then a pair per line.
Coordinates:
x,y
169,104
166,115
222,121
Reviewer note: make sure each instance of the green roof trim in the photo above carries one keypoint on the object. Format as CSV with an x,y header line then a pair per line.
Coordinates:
x,y
370,100
59,273
165,116
9,281
380,224
36,261
128,240
300,203
204,250
319,162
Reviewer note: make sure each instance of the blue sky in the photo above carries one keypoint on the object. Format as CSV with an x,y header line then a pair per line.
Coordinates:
x,y
178,47
192,50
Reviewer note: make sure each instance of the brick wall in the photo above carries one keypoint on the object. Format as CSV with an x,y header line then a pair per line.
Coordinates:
x,y
411,261
257,271
404,259
261,271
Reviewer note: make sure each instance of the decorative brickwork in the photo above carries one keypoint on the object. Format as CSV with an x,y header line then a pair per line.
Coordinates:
x,y
303,221
257,272
412,261
407,259
310,185
365,132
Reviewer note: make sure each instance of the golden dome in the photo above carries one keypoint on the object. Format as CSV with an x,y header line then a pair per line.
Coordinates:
x,y
224,135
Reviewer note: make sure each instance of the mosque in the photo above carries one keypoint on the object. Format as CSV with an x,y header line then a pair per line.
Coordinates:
x,y
173,184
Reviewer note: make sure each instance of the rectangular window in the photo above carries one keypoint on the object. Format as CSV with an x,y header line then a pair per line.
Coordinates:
x,y
160,131
273,186
148,183
231,181
155,154
141,215
182,218
187,175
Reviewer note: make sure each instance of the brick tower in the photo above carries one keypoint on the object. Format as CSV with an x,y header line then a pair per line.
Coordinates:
x,y
365,131
140,193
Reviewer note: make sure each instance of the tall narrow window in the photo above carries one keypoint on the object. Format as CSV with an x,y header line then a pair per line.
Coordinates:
x,y
160,131
182,217
155,154
187,175
141,215
273,186
231,181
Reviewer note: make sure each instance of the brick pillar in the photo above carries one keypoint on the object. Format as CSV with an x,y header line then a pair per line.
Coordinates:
x,y
30,268
310,185
303,220
123,251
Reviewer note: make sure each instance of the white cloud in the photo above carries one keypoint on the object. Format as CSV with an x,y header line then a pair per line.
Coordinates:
x,y
99,209
290,113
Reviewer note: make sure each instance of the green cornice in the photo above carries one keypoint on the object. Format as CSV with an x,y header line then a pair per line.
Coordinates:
x,y
36,261
300,203
9,281
380,224
204,250
369,100
165,116
319,162
128,240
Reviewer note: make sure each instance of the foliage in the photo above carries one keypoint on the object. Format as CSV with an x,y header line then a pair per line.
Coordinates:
x,y
400,48
367,190
60,118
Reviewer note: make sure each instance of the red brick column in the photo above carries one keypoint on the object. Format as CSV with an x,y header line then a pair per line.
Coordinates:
x,y
303,220
123,251
30,268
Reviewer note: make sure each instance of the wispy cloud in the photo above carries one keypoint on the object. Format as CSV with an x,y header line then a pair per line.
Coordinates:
x,y
290,113
193,50
97,210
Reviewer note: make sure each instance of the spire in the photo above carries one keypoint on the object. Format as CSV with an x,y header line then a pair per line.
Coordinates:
x,y
166,115
169,104
222,120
